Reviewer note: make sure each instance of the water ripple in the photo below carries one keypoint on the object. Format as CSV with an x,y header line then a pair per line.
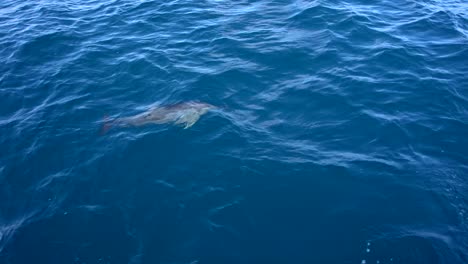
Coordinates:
x,y
337,120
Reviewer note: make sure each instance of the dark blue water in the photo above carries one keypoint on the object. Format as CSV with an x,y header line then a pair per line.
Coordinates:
x,y
342,135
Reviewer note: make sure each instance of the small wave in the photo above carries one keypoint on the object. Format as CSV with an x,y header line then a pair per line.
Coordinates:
x,y
328,110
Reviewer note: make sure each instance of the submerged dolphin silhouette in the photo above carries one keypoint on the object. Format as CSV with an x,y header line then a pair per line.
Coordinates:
x,y
185,114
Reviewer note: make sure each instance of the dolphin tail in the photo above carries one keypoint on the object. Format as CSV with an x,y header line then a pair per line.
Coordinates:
x,y
106,125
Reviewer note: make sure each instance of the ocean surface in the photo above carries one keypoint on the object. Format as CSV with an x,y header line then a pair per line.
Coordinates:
x,y
341,134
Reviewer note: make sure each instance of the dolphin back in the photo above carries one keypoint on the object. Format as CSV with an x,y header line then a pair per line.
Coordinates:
x,y
185,114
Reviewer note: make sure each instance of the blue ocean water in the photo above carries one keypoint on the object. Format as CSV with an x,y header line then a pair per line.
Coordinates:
x,y
342,134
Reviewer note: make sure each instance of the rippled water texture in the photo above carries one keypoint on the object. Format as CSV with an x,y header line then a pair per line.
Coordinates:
x,y
341,135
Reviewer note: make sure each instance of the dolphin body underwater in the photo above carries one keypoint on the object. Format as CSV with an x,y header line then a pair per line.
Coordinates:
x,y
185,114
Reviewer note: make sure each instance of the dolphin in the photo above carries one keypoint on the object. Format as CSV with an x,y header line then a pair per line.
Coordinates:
x,y
185,114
